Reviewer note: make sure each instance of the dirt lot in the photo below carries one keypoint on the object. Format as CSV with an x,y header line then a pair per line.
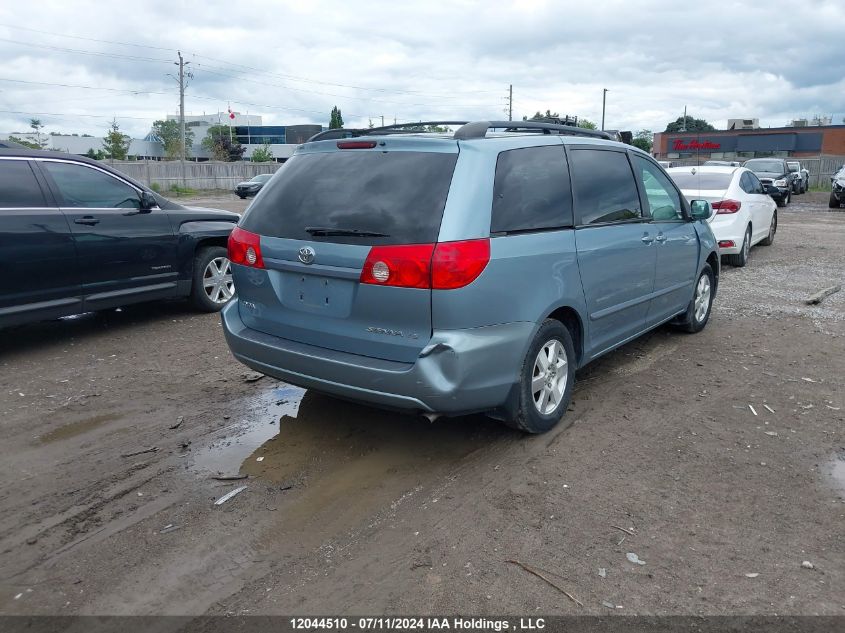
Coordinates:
x,y
353,510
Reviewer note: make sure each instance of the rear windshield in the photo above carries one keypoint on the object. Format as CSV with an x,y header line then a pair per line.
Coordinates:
x,y
400,195
687,180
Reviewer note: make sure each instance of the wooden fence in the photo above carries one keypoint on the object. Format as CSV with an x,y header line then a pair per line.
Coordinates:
x,y
207,175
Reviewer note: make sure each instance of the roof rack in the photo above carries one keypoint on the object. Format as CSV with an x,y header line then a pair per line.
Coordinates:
x,y
413,127
478,129
468,129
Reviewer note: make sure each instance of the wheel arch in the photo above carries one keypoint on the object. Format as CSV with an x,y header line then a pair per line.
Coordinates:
x,y
572,321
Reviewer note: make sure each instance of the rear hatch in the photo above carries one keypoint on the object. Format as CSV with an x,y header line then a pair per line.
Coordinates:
x,y
317,222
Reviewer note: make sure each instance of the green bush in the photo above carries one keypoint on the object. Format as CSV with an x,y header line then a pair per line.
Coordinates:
x,y
156,187
182,191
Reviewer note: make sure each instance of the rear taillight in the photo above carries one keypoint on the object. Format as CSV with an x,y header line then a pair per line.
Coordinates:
x,y
245,248
458,264
726,244
443,266
726,206
407,266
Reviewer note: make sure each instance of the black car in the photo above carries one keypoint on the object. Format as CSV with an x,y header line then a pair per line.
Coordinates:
x,y
252,186
775,172
77,236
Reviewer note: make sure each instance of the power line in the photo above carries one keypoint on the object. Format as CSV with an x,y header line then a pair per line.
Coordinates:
x,y
243,66
82,52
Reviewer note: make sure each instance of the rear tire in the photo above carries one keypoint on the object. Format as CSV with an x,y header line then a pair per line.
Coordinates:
x,y
546,380
698,311
833,203
773,227
741,259
211,286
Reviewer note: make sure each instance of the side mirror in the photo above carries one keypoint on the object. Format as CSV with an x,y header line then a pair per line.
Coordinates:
x,y
148,201
701,209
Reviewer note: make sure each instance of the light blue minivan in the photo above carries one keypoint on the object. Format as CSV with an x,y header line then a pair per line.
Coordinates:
x,y
473,271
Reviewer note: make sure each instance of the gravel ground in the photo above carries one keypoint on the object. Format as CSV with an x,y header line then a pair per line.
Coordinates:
x,y
717,458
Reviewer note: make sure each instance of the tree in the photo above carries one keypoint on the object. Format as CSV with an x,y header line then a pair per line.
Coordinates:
x,y
692,125
171,138
116,144
98,155
263,154
25,142
538,116
644,139
336,120
219,142
37,126
587,124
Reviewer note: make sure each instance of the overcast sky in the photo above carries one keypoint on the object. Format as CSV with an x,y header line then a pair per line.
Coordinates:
x,y
292,61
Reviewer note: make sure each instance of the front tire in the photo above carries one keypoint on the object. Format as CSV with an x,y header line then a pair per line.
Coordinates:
x,y
698,311
741,259
833,203
548,374
212,286
773,227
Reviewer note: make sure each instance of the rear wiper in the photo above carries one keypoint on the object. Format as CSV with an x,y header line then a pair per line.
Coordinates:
x,y
328,231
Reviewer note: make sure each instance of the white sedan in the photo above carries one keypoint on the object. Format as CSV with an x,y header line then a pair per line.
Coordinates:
x,y
745,214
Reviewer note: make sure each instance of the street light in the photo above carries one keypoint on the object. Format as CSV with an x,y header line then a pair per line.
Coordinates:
x,y
603,102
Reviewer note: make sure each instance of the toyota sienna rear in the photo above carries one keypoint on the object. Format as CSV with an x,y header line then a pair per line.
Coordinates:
x,y
439,274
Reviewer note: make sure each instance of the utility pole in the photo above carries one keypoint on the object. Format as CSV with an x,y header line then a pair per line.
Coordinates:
x,y
382,120
603,104
510,102
684,124
181,63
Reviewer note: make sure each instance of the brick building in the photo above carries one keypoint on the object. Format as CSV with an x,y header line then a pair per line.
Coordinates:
x,y
739,144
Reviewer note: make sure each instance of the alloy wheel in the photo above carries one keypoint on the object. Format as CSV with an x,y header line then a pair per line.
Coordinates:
x,y
549,378
217,280
702,298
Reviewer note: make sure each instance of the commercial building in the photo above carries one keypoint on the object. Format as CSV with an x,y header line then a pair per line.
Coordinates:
x,y
743,142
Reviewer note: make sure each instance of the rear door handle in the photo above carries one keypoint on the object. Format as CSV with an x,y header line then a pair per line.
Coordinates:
x,y
88,220
647,239
660,237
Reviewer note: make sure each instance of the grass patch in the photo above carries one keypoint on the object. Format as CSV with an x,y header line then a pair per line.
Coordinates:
x,y
179,190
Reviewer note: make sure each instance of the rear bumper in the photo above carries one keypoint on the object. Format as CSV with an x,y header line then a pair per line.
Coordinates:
x,y
729,230
459,371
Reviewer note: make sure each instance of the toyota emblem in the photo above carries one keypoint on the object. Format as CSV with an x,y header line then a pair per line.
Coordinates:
x,y
306,255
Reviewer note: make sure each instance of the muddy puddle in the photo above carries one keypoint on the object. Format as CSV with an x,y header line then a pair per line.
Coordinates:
x,y
287,433
78,428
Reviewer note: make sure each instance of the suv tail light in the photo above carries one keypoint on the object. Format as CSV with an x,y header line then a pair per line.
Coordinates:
x,y
727,206
458,264
442,266
407,266
245,248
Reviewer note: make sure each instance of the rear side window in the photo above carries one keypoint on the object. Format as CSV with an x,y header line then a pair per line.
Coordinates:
x,y
88,188
604,187
663,200
532,190
18,187
400,195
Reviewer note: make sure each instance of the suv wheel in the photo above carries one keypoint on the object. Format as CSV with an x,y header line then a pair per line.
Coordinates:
x,y
212,285
698,311
833,203
548,373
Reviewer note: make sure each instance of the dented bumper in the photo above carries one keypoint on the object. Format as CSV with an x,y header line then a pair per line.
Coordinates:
x,y
459,371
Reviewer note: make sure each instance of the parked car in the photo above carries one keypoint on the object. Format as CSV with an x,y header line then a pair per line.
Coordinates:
x,y
802,181
468,272
774,171
665,164
252,186
721,163
77,236
745,213
837,189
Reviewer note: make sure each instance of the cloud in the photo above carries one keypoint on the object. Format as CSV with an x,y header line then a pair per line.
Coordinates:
x,y
292,61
